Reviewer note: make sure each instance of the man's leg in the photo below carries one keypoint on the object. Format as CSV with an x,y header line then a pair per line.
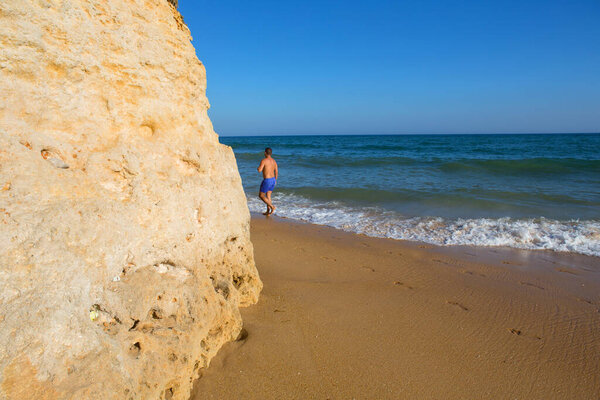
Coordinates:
x,y
265,200
271,202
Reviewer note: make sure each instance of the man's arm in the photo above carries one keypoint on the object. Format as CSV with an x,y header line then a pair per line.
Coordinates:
x,y
261,166
276,171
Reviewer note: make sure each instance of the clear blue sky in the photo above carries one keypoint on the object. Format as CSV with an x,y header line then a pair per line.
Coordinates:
x,y
360,67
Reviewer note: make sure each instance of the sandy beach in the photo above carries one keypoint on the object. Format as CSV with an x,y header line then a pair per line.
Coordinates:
x,y
345,316
141,141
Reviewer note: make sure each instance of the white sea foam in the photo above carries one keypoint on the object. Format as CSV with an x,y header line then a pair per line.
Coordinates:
x,y
572,236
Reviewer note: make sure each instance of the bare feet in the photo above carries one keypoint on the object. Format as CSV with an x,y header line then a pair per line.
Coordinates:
x,y
272,210
268,212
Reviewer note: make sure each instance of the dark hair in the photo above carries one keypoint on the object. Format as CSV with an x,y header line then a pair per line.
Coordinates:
x,y
268,151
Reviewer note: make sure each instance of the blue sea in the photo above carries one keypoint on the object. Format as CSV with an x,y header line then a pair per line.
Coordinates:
x,y
525,191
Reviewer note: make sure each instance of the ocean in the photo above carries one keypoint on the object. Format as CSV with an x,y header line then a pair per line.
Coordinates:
x,y
538,191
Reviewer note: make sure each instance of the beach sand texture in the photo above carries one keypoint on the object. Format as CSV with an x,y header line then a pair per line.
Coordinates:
x,y
344,316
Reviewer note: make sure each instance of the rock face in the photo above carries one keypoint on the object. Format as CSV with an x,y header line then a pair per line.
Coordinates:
x,y
124,230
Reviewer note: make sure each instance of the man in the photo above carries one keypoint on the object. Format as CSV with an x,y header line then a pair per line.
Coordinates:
x,y
268,167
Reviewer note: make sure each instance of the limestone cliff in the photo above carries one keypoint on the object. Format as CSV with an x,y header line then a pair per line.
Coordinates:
x,y
124,230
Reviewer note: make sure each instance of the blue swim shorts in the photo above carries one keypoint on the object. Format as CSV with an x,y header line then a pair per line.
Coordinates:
x,y
268,185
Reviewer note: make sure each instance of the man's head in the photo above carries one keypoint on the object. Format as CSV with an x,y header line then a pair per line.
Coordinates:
x,y
268,151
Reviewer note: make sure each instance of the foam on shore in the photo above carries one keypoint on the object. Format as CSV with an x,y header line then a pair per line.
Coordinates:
x,y
535,234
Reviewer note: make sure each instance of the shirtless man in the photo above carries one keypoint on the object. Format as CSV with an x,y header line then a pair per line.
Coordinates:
x,y
268,167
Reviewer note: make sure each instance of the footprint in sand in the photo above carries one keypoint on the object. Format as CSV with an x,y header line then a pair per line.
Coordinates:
x,y
532,285
505,262
328,258
567,270
448,261
587,301
369,268
398,283
465,271
518,332
454,303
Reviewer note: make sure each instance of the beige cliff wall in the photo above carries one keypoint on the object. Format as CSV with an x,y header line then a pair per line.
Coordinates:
x,y
124,230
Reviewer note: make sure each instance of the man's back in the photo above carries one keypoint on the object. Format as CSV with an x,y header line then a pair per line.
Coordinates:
x,y
268,167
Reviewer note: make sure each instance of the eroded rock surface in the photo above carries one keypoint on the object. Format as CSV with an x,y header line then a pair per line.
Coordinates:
x,y
124,230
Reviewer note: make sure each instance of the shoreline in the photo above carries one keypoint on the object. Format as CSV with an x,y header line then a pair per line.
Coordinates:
x,y
488,251
351,316
579,236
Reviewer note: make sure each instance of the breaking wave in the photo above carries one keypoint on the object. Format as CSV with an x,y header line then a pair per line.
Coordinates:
x,y
523,233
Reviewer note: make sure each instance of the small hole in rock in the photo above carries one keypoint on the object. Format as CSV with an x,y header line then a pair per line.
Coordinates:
x,y
237,281
135,349
135,323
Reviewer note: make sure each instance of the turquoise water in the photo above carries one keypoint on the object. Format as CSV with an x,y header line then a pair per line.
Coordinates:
x,y
525,191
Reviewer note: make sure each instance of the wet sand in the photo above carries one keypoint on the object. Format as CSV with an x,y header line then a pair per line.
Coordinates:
x,y
345,316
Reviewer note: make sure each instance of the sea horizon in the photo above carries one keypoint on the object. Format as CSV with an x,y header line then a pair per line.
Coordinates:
x,y
411,134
